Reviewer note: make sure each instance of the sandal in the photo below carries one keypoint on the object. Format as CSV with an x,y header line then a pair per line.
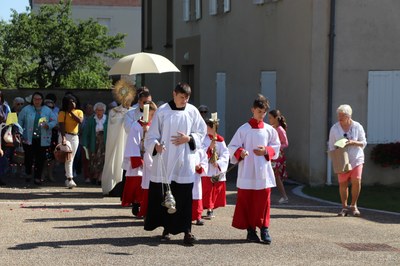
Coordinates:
x,y
355,211
343,212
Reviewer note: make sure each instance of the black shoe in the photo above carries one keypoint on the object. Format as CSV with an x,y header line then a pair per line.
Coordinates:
x,y
2,183
265,237
210,215
189,239
252,236
199,222
37,181
135,208
165,236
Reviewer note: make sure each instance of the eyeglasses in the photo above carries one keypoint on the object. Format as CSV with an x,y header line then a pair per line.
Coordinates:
x,y
203,112
20,103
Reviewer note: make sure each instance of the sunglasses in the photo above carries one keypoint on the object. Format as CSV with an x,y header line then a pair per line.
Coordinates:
x,y
203,112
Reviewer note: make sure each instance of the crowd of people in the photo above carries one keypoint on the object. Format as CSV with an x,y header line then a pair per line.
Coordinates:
x,y
167,161
40,125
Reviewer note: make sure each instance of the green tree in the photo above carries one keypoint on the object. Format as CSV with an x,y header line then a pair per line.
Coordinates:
x,y
48,49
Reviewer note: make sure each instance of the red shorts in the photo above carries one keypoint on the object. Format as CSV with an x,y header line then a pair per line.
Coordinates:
x,y
355,173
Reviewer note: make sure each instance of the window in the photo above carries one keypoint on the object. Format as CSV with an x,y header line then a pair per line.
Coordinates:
x,y
383,107
216,7
213,7
258,2
197,10
227,6
191,10
186,10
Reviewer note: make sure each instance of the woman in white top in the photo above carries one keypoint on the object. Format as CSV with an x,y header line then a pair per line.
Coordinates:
x,y
356,142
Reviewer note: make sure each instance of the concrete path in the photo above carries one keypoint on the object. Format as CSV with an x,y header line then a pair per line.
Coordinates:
x,y
52,225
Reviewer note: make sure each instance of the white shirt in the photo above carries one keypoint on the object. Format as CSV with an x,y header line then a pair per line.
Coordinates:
x,y
356,132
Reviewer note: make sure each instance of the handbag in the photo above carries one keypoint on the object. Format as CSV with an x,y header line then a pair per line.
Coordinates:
x,y
63,153
340,160
19,155
8,137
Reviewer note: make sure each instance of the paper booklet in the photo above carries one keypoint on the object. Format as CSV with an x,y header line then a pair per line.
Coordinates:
x,y
341,143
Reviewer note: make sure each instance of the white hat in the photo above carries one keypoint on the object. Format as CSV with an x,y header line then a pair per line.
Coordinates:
x,y
28,98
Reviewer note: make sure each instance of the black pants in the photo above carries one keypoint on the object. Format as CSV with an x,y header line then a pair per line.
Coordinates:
x,y
34,155
157,215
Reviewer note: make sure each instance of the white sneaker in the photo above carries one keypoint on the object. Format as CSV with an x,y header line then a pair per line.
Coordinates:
x,y
283,200
70,183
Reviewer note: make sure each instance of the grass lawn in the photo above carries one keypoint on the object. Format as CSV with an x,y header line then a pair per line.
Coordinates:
x,y
374,197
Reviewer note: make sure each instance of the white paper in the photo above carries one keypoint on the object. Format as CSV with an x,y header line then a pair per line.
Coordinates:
x,y
146,113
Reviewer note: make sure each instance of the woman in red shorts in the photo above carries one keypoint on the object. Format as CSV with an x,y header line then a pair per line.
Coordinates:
x,y
353,131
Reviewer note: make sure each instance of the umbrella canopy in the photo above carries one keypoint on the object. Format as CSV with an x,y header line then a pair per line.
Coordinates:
x,y
141,63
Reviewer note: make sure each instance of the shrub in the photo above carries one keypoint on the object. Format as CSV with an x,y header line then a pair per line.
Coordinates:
x,y
386,155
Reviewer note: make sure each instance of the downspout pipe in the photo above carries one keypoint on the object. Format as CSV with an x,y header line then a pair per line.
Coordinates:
x,y
143,25
332,35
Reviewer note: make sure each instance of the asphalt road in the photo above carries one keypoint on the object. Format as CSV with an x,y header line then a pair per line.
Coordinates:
x,y
52,225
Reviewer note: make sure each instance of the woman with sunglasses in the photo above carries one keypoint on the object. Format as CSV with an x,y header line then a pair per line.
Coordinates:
x,y
353,131
37,121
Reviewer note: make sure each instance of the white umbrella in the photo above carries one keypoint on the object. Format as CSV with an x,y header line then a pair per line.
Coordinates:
x,y
141,63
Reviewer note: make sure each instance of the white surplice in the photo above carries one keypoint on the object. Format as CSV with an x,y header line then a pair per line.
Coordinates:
x,y
178,162
132,149
254,172
223,159
202,160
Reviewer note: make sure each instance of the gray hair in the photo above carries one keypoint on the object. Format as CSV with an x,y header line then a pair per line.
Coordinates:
x,y
101,105
345,109
19,100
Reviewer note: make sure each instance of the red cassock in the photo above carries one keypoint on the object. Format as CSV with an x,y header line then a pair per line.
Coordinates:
x,y
252,208
132,191
133,185
214,194
197,209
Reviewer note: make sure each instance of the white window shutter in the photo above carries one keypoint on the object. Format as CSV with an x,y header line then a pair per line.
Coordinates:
x,y
212,7
383,108
186,10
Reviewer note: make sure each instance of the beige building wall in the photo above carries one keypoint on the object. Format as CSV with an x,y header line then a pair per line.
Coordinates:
x,y
367,38
120,16
277,37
